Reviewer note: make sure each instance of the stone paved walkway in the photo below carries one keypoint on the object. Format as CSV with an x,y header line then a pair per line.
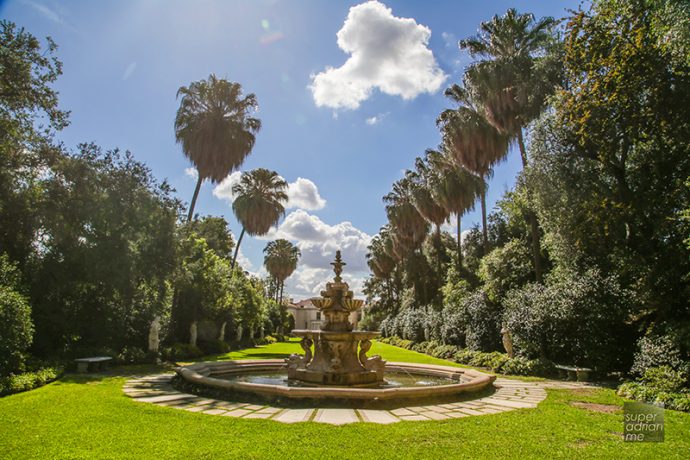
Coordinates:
x,y
510,395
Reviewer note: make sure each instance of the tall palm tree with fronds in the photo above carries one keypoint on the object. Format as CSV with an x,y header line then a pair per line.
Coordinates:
x,y
380,258
215,128
280,260
518,71
472,141
426,203
454,187
260,198
408,225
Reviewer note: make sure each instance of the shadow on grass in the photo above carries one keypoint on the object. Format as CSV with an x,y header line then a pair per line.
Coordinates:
x,y
114,372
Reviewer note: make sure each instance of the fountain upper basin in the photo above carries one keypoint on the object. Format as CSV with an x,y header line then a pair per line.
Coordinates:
x,y
209,374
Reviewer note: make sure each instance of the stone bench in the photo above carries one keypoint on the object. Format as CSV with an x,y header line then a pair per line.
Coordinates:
x,y
96,363
581,374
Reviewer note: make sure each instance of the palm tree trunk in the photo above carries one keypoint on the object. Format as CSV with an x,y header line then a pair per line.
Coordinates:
x,y
237,250
282,286
458,217
485,233
194,197
523,151
534,225
439,245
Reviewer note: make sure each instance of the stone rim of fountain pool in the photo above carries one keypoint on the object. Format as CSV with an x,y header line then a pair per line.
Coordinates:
x,y
204,373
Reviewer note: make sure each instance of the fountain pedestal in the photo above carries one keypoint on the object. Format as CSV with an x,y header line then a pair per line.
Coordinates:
x,y
339,356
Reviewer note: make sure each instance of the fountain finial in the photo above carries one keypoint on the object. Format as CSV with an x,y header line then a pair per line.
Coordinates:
x,y
338,266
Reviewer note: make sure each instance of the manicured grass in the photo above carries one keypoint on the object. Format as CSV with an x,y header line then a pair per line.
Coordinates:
x,y
90,417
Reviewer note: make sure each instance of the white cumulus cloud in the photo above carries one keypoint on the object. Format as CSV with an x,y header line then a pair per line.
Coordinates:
x,y
386,53
223,191
191,172
302,193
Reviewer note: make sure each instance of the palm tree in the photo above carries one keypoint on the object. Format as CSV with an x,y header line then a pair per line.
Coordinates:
x,y
214,126
514,79
260,198
426,203
409,227
280,260
472,141
454,187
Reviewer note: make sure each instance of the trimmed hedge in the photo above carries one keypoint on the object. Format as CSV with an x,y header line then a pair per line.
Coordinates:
x,y
496,361
28,380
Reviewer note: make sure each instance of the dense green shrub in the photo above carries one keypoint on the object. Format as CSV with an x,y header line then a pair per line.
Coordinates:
x,y
412,322
577,318
655,351
132,355
28,380
497,362
267,340
182,351
212,347
659,384
483,332
16,331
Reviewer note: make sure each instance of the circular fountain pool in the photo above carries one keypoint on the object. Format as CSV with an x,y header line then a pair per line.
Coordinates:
x,y
401,381
393,380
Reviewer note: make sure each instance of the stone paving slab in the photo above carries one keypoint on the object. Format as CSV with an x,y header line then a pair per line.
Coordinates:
x,y
509,395
294,415
336,416
377,416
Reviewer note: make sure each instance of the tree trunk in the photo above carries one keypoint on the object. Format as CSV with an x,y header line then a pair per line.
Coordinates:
x,y
282,286
485,233
194,197
221,335
459,232
536,247
532,219
523,151
237,250
439,245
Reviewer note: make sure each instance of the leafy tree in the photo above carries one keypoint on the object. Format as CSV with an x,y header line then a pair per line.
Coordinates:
x,y
17,329
106,242
612,160
29,116
216,233
214,127
260,199
202,287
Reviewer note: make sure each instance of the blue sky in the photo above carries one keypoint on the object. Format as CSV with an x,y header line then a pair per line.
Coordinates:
x,y
124,61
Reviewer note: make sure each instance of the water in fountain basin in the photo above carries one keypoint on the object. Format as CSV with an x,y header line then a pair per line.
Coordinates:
x,y
392,379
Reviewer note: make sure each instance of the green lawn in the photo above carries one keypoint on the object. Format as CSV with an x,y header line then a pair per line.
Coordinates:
x,y
90,417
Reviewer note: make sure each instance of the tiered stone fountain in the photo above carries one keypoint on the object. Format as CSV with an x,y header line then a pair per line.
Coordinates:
x,y
338,368
340,354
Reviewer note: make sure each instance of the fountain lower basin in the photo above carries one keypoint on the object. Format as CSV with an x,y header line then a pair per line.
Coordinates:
x,y
227,375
